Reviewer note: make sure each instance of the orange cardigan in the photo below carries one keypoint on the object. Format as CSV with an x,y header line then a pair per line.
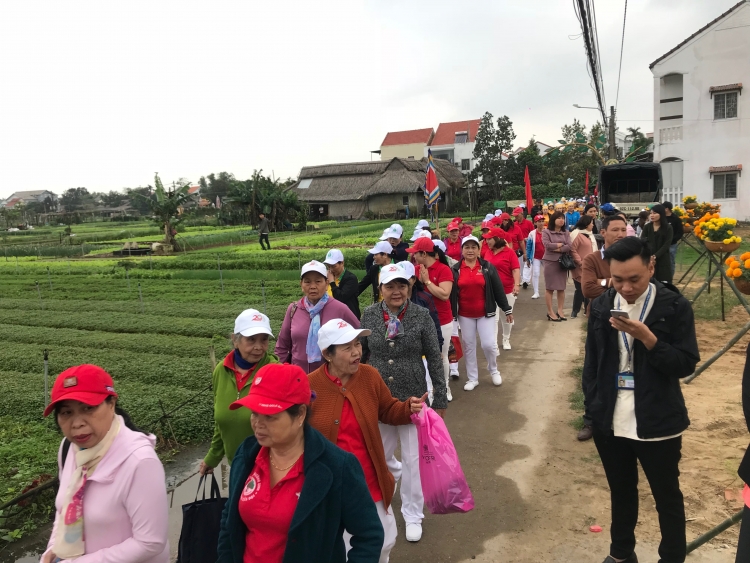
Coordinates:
x,y
371,401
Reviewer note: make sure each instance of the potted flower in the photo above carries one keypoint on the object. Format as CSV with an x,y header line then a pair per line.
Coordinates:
x,y
717,233
690,201
738,270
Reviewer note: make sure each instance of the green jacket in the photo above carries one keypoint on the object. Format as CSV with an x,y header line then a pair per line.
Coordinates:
x,y
230,427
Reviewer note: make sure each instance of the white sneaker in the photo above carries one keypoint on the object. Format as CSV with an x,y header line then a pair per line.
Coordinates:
x,y
454,374
413,532
535,296
470,385
497,378
450,398
506,344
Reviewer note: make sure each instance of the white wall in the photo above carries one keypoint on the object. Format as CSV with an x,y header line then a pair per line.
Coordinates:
x,y
719,56
460,152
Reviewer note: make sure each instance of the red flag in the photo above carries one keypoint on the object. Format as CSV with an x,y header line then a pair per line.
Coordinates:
x,y
586,188
596,190
529,199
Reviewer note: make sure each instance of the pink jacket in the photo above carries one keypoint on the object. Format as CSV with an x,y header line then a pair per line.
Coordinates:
x,y
293,334
125,503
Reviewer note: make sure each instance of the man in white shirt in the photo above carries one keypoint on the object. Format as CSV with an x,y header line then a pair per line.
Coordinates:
x,y
640,342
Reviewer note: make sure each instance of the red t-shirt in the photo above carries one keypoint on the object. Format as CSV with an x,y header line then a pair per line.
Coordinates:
x,y
505,262
453,249
439,273
471,294
484,250
514,236
352,440
266,512
241,379
538,246
526,227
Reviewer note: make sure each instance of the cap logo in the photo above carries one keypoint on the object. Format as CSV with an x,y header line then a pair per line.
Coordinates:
x,y
342,324
330,253
110,389
257,318
258,380
70,382
271,405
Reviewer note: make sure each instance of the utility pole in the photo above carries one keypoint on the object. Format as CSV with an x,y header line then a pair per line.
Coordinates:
x,y
612,143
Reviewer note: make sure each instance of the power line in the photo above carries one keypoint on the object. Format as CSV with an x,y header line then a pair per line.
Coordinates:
x,y
588,26
622,48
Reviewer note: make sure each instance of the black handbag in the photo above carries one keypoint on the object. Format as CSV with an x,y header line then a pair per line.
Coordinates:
x,y
566,262
201,522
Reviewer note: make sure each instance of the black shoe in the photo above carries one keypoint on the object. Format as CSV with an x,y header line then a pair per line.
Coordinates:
x,y
553,320
585,433
525,285
631,559
573,315
561,317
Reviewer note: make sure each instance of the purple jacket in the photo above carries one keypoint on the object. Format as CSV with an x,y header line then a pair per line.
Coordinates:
x,y
125,503
293,333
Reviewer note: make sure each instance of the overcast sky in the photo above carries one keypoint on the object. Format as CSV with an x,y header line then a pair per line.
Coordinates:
x,y
103,94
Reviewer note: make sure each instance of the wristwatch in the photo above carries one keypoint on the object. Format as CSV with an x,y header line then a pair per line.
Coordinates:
x,y
428,282
604,283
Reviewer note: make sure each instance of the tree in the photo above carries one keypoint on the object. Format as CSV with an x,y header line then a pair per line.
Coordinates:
x,y
527,157
139,199
165,208
114,198
75,199
490,143
640,145
213,186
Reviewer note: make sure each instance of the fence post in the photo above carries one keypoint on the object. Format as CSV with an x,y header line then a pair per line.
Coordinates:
x,y
17,265
140,296
221,276
127,275
83,252
299,260
39,293
68,266
46,379
263,289
49,279
151,262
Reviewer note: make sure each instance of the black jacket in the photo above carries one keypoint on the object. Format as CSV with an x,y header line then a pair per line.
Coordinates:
x,y
744,470
677,229
399,254
347,292
659,406
494,294
371,279
659,242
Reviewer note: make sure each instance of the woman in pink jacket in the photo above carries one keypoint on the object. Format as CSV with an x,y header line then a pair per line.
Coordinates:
x,y
112,501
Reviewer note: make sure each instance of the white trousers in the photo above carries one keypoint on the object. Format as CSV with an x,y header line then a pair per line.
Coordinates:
x,y
525,272
501,318
412,499
454,365
536,269
485,327
447,331
388,520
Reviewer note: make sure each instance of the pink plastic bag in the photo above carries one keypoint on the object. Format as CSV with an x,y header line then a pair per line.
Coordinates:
x,y
443,482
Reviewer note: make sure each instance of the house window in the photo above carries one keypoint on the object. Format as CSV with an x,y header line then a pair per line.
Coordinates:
x,y
461,137
405,200
465,164
725,105
725,186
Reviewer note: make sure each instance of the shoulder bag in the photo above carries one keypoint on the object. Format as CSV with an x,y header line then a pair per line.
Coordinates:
x,y
566,262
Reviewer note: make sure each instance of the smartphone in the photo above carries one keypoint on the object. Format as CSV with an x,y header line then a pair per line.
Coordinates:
x,y
619,314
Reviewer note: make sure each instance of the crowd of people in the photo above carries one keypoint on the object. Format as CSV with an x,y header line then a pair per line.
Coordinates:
x,y
311,428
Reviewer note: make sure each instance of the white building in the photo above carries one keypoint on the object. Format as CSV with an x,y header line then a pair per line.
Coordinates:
x,y
27,197
701,118
455,142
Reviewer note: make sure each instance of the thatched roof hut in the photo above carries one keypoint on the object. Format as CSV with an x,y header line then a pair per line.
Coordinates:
x,y
350,190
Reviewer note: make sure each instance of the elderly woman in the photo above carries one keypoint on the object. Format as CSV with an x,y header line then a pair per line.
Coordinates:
x,y
292,493
232,379
112,503
453,242
509,270
478,296
351,399
401,334
298,338
556,240
582,244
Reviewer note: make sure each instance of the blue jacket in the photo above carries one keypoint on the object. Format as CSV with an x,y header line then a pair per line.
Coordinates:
x,y
530,245
571,219
334,497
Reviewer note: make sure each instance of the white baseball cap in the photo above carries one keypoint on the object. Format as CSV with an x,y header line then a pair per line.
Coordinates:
x,y
408,268
498,212
251,322
390,232
397,229
422,223
470,238
334,256
440,244
415,236
424,234
338,331
382,246
314,266
392,272
488,217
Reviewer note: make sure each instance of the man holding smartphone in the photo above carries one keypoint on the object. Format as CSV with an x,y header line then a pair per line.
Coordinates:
x,y
631,380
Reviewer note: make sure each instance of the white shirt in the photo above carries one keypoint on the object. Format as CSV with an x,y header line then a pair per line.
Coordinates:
x,y
624,423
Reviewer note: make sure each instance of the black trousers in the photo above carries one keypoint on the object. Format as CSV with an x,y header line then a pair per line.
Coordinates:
x,y
659,460
264,236
743,545
578,299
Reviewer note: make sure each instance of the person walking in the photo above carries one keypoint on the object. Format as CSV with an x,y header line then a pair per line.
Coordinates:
x,y
436,277
263,231
582,244
522,222
292,492
512,233
394,237
453,242
658,234
631,379
534,254
556,241
232,379
111,504
342,284
401,334
677,232
478,296
508,269
298,337
352,400
382,255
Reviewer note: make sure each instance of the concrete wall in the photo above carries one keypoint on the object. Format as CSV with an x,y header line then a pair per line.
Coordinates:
x,y
718,56
388,204
460,151
414,150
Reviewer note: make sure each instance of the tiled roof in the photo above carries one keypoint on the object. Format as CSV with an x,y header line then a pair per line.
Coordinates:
x,y
725,87
12,202
408,137
446,132
722,169
701,30
193,190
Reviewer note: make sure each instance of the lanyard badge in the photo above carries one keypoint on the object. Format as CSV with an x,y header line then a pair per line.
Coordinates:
x,y
626,380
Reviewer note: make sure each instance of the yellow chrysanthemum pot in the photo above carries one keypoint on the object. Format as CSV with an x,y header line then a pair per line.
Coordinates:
x,y
713,246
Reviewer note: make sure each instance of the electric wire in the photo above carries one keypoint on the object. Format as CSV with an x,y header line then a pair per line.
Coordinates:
x,y
583,10
622,48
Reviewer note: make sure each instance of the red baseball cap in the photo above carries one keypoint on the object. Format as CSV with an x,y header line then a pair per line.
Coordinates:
x,y
518,211
486,224
538,218
86,383
504,217
275,388
422,245
499,233
452,226
457,220
496,220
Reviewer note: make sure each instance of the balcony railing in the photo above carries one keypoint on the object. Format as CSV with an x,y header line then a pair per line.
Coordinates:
x,y
669,135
